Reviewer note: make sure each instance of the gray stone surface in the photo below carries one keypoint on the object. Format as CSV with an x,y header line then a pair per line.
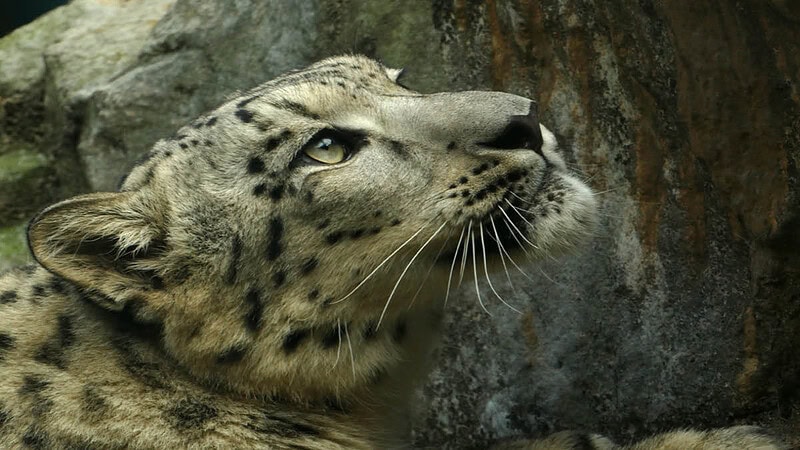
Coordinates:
x,y
685,309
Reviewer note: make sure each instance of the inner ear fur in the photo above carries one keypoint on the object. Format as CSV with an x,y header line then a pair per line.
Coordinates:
x,y
105,243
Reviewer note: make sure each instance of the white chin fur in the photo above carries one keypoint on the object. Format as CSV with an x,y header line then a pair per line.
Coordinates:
x,y
575,223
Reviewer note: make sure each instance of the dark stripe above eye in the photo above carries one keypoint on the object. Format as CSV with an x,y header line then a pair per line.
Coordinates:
x,y
294,107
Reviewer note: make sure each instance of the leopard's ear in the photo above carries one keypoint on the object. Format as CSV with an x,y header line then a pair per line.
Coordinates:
x,y
106,243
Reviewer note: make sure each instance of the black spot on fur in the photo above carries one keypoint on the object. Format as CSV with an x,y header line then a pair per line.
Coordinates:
x,y
332,337
260,189
333,238
52,351
232,355
244,115
355,234
183,146
276,192
293,340
58,285
233,266
211,122
194,141
156,282
255,165
273,142
400,331
33,385
93,403
451,145
39,291
313,294
480,169
375,230
370,331
463,180
4,417
279,278
255,310
309,197
514,176
149,373
309,265
399,148
324,224
246,101
190,413
271,423
36,439
395,222
8,297
274,247
6,343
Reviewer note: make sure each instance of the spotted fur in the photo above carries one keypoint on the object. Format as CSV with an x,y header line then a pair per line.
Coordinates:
x,y
236,293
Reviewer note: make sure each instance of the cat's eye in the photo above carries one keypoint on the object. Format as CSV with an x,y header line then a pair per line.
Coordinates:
x,y
327,150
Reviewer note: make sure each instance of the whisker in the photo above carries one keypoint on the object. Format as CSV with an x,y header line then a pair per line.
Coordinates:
x,y
379,266
521,234
352,357
464,256
502,250
522,199
608,191
548,277
518,213
486,272
339,347
402,274
453,265
475,272
428,273
502,247
514,235
532,226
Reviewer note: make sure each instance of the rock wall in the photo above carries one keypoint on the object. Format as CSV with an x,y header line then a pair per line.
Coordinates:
x,y
684,116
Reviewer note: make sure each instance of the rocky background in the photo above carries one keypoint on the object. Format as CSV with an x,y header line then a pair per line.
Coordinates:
x,y
684,116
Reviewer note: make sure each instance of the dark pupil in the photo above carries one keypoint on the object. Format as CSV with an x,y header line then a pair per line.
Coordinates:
x,y
324,143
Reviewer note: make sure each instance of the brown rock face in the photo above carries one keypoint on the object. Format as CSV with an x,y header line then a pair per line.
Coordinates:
x,y
684,116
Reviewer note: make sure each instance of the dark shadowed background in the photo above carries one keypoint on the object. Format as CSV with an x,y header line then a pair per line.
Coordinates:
x,y
685,116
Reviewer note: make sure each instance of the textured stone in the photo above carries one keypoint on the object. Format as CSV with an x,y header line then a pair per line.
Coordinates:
x,y
685,309
24,180
13,247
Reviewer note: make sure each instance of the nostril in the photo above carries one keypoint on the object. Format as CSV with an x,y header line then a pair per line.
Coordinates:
x,y
522,132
